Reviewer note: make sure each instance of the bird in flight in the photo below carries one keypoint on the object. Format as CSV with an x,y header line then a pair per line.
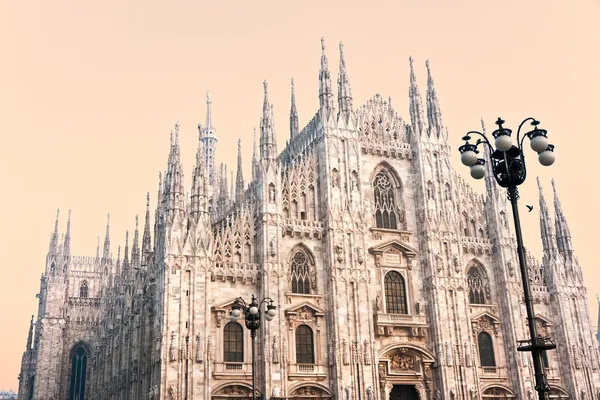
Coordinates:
x,y
530,208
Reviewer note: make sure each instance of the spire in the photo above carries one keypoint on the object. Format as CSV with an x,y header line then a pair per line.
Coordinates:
x,y
118,263
207,135
209,123
135,249
254,158
98,249
344,91
200,183
268,142
67,243
415,102
158,211
239,181
146,239
30,335
125,264
54,237
325,91
546,228
106,252
434,114
563,234
294,129
174,193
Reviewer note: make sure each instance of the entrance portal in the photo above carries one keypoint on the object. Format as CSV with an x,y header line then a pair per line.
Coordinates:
x,y
404,392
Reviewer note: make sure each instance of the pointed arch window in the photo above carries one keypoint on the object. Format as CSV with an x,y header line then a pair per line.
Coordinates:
x,y
305,353
476,286
79,358
83,290
233,343
300,272
395,293
486,350
385,202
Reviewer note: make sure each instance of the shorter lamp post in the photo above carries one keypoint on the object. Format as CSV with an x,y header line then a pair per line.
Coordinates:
x,y
508,168
252,313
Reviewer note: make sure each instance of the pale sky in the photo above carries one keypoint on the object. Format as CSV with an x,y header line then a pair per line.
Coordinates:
x,y
89,91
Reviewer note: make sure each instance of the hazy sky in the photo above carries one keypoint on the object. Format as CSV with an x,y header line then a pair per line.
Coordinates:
x,y
89,91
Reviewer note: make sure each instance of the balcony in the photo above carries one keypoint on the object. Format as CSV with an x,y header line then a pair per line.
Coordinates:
x,y
311,371
228,370
416,325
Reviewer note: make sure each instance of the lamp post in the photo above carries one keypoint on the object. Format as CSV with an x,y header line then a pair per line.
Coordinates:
x,y
252,313
508,168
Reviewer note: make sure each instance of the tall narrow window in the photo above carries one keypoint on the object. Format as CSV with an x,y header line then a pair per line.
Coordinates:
x,y
486,350
79,358
385,202
305,353
233,343
545,359
476,286
300,273
395,293
83,290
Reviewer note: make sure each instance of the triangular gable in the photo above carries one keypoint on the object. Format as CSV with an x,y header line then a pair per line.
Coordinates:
x,y
315,309
224,306
486,314
544,319
393,244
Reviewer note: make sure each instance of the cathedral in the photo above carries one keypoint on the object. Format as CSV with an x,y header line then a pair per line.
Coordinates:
x,y
392,278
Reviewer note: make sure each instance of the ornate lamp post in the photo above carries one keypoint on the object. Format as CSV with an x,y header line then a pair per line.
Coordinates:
x,y
508,168
252,313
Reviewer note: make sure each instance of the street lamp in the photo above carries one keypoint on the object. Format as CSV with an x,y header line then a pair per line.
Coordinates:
x,y
252,314
508,168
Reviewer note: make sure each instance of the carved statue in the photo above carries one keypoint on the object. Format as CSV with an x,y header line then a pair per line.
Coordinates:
x,y
359,255
275,350
339,251
370,393
198,349
378,303
367,353
438,394
271,194
348,393
276,392
313,279
173,349
345,355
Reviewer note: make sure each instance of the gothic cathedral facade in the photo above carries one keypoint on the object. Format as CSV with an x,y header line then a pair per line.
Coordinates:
x,y
392,278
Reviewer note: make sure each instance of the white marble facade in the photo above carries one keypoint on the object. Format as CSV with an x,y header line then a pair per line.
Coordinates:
x,y
393,278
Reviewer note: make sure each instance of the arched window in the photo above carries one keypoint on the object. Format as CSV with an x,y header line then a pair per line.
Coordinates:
x,y
486,350
300,270
305,353
385,202
545,359
395,293
79,357
83,290
476,286
233,343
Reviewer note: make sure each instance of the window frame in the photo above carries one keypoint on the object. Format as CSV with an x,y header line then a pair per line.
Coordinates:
x,y
227,343
309,333
400,298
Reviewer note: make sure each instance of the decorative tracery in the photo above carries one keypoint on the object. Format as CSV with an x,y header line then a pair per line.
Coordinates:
x,y
300,272
384,202
475,280
83,290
